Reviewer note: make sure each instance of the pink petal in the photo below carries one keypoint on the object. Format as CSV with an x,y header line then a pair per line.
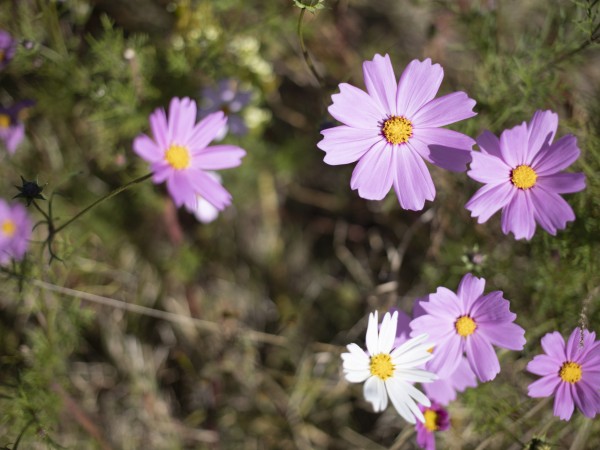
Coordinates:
x,y
419,83
159,127
489,199
482,357
381,82
373,175
544,387
551,211
554,345
344,145
518,216
586,398
487,168
556,157
210,189
562,183
14,137
147,149
489,144
444,110
505,335
412,180
563,402
206,130
544,365
447,355
447,149
469,290
356,108
542,129
180,188
218,157
514,145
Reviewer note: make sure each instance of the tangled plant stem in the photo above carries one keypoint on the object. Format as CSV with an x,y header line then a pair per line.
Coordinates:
x,y
305,54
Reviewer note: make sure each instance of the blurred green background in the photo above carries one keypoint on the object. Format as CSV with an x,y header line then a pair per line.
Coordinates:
x,y
262,300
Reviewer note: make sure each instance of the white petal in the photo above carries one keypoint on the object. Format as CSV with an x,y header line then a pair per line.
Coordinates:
x,y
387,333
372,338
409,345
355,362
415,375
401,400
414,357
357,376
374,391
358,352
417,394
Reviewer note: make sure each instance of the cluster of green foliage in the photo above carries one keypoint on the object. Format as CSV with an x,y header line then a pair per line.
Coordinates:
x,y
154,331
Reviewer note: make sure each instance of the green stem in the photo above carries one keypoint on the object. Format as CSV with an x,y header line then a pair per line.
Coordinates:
x,y
305,54
16,446
101,199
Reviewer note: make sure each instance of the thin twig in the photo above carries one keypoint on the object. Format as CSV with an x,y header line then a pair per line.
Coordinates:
x,y
305,54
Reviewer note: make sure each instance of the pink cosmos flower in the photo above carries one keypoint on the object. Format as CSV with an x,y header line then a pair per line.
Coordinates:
x,y
393,127
569,372
12,127
468,322
436,419
523,176
15,230
179,154
442,390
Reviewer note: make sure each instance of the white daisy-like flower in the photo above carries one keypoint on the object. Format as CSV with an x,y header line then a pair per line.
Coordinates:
x,y
390,371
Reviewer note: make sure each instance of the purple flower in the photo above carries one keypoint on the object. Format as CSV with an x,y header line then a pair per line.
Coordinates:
x,y
468,322
8,47
442,390
436,419
394,127
571,373
12,129
15,230
227,98
523,176
179,154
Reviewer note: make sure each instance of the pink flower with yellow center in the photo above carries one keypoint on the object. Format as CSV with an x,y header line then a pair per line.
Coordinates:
x,y
15,231
394,127
436,419
179,154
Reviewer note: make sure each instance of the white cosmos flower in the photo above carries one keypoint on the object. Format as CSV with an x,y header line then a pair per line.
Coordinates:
x,y
390,371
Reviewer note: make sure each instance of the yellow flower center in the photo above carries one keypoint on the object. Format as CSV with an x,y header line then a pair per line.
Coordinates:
x,y
465,326
381,366
9,228
4,121
397,130
570,372
523,177
430,420
178,156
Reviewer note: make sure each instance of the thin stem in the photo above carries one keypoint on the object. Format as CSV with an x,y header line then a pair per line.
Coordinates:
x,y
305,54
31,421
101,199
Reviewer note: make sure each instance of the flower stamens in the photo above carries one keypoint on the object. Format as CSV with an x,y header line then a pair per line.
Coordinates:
x,y
465,326
381,366
523,177
570,372
397,130
8,228
178,156
430,420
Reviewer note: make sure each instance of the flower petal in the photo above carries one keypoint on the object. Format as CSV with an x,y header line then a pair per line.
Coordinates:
x,y
405,406
544,365
505,335
375,393
356,108
554,345
180,188
372,339
210,189
487,168
542,128
563,402
218,157
447,149
482,357
514,145
551,211
489,199
412,180
419,83
159,127
544,387
469,290
387,333
444,110
447,355
562,183
206,130
380,81
556,157
518,216
415,375
147,149
357,376
489,144
182,117
586,398
373,175
344,145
